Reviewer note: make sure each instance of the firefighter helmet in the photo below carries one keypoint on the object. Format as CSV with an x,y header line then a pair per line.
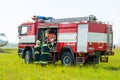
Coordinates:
x,y
37,42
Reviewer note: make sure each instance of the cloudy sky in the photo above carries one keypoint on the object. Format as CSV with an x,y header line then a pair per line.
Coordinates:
x,y
14,12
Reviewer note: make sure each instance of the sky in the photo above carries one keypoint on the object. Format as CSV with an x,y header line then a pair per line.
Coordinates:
x,y
15,12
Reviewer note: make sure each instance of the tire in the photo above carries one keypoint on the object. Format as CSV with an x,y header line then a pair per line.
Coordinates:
x,y
28,57
67,59
92,60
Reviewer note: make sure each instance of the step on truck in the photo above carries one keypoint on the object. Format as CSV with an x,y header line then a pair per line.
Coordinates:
x,y
78,40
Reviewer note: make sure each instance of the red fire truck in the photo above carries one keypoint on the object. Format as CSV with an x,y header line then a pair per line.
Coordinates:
x,y
76,40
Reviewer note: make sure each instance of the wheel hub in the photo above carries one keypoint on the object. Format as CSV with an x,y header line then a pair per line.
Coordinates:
x,y
67,60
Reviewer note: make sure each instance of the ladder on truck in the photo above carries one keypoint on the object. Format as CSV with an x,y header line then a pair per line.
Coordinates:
x,y
90,18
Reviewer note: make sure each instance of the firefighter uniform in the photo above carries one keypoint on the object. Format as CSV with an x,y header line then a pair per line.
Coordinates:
x,y
37,51
44,53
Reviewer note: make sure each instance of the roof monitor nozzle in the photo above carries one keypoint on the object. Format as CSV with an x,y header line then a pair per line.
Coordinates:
x,y
92,18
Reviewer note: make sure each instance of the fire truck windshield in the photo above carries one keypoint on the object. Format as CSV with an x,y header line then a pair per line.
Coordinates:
x,y
23,30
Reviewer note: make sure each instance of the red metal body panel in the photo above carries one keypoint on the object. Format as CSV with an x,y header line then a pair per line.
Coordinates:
x,y
69,44
98,46
96,27
67,28
65,25
31,30
25,45
45,24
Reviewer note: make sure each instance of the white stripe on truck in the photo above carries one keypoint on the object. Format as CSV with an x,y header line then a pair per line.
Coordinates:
x,y
97,37
92,37
27,39
66,37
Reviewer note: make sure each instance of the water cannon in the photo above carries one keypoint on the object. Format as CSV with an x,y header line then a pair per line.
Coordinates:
x,y
92,18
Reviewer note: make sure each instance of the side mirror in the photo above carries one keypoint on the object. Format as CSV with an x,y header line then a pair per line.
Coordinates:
x,y
19,29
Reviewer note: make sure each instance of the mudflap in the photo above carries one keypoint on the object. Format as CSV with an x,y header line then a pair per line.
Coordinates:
x,y
104,59
96,61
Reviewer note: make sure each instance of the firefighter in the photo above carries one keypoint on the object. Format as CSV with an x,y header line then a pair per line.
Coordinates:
x,y
44,52
51,39
37,51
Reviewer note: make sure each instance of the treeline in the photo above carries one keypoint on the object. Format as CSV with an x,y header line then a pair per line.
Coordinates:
x,y
11,45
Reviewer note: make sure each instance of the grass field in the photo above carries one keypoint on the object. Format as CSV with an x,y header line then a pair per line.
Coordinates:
x,y
13,68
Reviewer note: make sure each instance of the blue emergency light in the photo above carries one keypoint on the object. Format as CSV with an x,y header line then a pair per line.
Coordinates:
x,y
44,18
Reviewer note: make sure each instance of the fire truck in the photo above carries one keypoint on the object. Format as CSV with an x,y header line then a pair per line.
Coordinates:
x,y
77,40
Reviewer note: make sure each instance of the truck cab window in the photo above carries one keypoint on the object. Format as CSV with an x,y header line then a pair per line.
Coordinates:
x,y
24,30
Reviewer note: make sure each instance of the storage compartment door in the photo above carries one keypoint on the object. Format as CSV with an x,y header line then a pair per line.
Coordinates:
x,y
82,38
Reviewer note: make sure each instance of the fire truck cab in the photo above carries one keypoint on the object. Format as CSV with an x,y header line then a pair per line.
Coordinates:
x,y
75,40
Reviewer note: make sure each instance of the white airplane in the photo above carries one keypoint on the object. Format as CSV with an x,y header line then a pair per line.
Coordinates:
x,y
3,40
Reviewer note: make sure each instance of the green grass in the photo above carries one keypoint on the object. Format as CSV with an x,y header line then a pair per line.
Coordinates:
x,y
13,68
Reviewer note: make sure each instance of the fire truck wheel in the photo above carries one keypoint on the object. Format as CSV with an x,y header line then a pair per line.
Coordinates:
x,y
67,59
28,57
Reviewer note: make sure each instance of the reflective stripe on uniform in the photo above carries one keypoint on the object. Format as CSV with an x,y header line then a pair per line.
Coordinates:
x,y
37,52
45,53
38,45
44,45
43,62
